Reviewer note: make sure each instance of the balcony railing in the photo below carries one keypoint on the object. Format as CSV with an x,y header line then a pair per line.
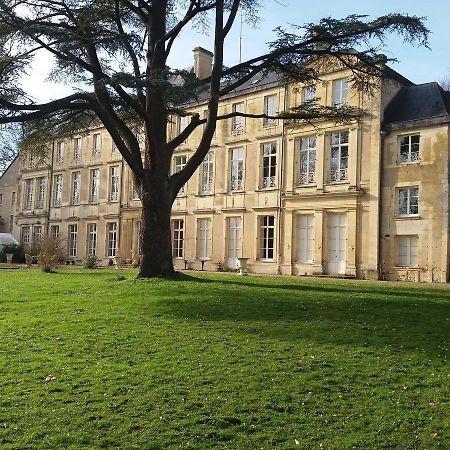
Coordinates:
x,y
339,175
206,188
269,182
237,185
306,178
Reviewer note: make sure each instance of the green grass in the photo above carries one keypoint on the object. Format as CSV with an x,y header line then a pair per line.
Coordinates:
x,y
221,362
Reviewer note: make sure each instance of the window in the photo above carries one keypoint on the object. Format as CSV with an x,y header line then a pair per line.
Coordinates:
x,y
140,136
178,238
54,231
407,250
92,238
28,203
340,91
114,149
207,175
237,170
114,184
409,149
1,199
307,161
269,165
77,149
112,240
59,152
135,191
13,198
179,162
26,234
57,190
94,185
96,144
37,233
305,238
267,238
31,160
75,195
204,238
309,94
237,123
40,193
339,156
11,223
183,123
408,201
270,109
73,234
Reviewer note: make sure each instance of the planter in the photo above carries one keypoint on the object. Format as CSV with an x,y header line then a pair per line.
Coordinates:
x,y
9,257
243,266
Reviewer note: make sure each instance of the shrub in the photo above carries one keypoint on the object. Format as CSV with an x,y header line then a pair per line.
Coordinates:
x,y
50,252
90,262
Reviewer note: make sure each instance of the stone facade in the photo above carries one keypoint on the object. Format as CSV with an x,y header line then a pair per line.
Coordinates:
x,y
8,197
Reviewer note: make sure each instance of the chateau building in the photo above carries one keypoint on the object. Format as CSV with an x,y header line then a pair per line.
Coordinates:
x,y
368,200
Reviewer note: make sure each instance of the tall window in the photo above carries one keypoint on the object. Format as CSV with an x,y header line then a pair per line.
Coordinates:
x,y
340,91
26,234
183,123
409,149
94,185
237,170
309,94
57,190
204,238
407,250
96,144
269,165
237,124
13,198
59,152
76,183
112,239
1,199
408,201
179,161
92,238
54,231
114,184
40,193
28,201
37,233
31,160
207,175
305,238
178,238
270,109
267,237
73,236
11,223
339,156
77,149
135,191
307,160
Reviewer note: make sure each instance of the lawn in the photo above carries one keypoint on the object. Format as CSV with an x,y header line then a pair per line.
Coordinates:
x,y
221,362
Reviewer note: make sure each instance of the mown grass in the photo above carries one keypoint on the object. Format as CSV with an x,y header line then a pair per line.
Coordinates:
x,y
221,362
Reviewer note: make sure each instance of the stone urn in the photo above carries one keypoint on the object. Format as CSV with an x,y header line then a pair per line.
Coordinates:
x,y
243,266
9,257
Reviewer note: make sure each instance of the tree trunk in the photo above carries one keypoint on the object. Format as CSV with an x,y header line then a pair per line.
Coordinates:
x,y
156,233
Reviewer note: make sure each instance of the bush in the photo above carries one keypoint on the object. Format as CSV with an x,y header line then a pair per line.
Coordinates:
x,y
90,262
50,253
16,250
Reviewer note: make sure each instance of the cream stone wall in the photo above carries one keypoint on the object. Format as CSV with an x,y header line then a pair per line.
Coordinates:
x,y
8,198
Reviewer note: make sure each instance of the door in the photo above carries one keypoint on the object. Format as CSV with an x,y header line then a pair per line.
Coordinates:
x,y
337,243
233,241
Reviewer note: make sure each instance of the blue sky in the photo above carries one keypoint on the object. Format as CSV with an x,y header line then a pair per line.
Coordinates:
x,y
418,64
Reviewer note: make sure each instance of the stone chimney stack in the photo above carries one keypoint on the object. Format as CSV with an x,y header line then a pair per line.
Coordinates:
x,y
202,62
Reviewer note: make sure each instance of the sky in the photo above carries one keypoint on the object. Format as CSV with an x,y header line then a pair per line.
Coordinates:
x,y
418,64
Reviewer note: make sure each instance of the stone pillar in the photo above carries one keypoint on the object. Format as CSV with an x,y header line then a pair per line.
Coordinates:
x,y
287,241
320,161
353,158
351,241
318,242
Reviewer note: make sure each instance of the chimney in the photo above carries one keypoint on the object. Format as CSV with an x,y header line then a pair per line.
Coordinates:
x,y
202,62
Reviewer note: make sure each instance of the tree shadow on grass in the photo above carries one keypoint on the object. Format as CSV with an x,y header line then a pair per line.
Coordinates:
x,y
365,317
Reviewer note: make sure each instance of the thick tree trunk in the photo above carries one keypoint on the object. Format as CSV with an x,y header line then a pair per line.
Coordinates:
x,y
156,234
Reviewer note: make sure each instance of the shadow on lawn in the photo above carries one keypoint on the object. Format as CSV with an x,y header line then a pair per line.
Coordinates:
x,y
356,315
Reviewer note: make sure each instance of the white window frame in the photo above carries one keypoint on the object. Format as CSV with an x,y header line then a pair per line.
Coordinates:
x,y
267,238
111,243
37,233
207,175
25,234
94,185
409,149
204,238
408,201
183,122
309,94
407,250
77,149
54,231
96,145
340,92
59,152
178,238
28,198
40,191
92,238
269,165
114,183
75,188
72,233
179,162
270,109
238,122
237,169
339,146
57,190
306,161
305,238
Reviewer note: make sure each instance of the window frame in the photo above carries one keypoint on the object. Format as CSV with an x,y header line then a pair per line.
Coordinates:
x,y
269,165
40,193
410,159
111,239
411,256
304,232
308,177
237,170
94,186
114,184
75,188
267,238
341,173
28,194
178,167
270,109
57,190
340,92
412,209
91,238
238,122
207,175
204,238
178,238
72,241
309,94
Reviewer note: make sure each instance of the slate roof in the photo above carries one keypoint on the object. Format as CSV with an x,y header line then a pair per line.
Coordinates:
x,y
418,103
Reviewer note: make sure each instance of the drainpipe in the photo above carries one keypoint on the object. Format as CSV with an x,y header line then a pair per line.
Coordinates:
x,y
50,186
380,206
280,191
